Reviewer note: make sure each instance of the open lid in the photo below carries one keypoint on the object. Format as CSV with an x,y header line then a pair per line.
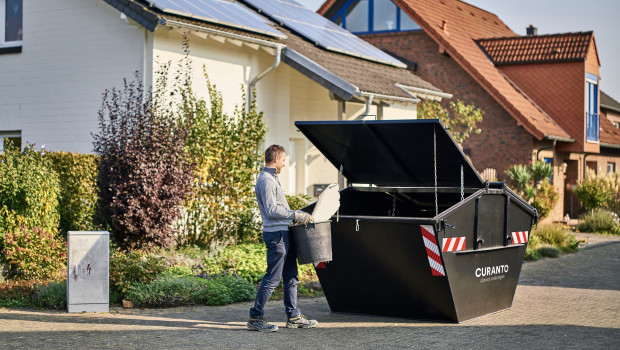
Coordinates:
x,y
392,152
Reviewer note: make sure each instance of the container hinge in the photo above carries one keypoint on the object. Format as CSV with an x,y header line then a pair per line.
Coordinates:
x,y
445,224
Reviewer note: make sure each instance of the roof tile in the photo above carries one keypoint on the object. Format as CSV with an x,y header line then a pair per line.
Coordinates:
x,y
537,48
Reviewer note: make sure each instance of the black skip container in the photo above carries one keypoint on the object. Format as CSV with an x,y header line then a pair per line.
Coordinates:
x,y
418,234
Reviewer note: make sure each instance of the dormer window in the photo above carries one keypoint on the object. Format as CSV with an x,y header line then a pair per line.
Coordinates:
x,y
592,115
373,16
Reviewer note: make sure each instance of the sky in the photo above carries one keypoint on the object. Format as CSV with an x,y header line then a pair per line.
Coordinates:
x,y
561,16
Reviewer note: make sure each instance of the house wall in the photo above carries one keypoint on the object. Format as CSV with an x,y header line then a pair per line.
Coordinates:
x,y
558,88
502,142
72,51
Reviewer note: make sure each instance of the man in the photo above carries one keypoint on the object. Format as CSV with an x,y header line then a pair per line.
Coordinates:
x,y
281,262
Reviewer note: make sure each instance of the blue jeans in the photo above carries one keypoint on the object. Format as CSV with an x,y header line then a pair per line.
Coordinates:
x,y
280,264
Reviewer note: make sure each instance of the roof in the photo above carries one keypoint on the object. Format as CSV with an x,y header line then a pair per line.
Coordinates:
x,y
465,25
343,75
607,102
537,48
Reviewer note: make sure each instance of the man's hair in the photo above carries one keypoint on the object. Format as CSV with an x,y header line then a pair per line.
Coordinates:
x,y
272,152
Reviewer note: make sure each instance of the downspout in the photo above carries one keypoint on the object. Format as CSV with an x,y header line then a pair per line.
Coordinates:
x,y
544,149
368,104
248,97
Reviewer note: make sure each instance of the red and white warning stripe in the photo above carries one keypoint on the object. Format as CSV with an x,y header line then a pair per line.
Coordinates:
x,y
320,265
453,244
519,237
432,250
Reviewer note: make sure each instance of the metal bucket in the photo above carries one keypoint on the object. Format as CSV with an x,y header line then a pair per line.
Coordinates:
x,y
313,242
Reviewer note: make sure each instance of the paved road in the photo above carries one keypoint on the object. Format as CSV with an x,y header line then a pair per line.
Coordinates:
x,y
572,302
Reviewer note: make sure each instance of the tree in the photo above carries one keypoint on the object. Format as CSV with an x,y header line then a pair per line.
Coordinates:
x,y
460,120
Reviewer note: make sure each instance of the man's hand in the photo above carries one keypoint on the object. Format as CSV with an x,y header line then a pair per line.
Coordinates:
x,y
301,217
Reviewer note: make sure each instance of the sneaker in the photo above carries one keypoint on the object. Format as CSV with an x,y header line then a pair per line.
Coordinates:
x,y
301,321
260,324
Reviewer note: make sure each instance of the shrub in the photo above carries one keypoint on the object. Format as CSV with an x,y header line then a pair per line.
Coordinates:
x,y
176,291
600,220
128,267
250,226
549,251
545,198
78,190
531,182
531,254
17,293
246,260
226,152
34,254
143,175
51,296
593,193
29,190
554,235
298,201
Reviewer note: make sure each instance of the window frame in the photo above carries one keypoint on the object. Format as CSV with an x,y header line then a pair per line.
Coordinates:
x,y
342,11
9,134
592,96
9,46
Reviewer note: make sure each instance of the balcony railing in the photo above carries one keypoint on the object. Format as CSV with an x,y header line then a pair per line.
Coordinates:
x,y
592,131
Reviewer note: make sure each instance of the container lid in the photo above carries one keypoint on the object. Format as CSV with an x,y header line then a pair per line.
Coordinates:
x,y
392,152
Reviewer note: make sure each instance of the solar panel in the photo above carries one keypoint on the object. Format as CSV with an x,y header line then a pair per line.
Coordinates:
x,y
320,30
229,13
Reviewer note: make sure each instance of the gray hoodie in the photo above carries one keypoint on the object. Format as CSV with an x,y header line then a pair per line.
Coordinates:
x,y
274,209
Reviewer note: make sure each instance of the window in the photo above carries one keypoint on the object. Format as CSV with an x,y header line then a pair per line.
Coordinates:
x,y
372,16
611,167
10,137
592,115
11,25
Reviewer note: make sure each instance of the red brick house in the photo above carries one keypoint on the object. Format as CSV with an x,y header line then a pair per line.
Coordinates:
x,y
540,93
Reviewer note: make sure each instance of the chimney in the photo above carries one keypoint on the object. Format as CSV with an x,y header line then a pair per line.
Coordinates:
x,y
531,30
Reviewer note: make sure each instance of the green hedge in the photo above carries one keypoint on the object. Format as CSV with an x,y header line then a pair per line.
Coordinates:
x,y
29,190
78,187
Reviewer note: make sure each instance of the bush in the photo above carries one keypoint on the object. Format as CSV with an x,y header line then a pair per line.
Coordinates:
x,y
127,268
78,190
298,201
601,221
532,183
531,254
17,293
549,251
246,260
29,190
226,152
593,193
51,296
545,198
553,235
143,175
34,254
175,291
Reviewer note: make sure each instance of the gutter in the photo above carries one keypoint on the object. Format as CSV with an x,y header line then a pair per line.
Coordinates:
x,y
558,138
424,91
544,149
278,47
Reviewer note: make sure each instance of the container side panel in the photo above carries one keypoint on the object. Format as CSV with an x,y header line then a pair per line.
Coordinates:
x,y
382,268
459,231
491,221
483,281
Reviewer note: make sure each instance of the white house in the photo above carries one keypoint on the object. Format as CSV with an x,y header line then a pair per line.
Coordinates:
x,y
57,57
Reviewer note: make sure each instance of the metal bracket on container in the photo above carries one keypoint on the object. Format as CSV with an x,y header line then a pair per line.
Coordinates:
x,y
357,225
